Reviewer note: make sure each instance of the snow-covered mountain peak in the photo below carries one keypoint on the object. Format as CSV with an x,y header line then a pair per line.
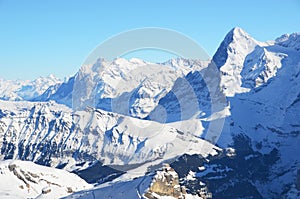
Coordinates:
x,y
52,76
238,43
115,67
186,65
238,33
26,89
47,81
140,84
230,58
177,62
137,61
289,41
246,63
123,62
260,79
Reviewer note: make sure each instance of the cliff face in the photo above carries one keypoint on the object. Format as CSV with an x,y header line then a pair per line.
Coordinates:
x,y
298,180
166,183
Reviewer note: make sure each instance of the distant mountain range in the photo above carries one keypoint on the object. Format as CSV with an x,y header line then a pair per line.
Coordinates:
x,y
17,90
115,122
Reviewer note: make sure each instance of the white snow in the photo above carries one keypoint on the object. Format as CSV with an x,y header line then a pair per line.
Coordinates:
x,y
20,179
131,140
135,86
191,176
132,189
25,89
260,79
268,111
250,63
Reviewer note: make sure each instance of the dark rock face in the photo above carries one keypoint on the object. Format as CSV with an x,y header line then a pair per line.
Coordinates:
x,y
188,91
98,173
298,180
228,176
221,55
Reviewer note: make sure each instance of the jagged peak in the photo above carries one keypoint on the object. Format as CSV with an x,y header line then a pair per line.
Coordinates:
x,y
289,41
237,31
285,37
102,63
237,34
237,37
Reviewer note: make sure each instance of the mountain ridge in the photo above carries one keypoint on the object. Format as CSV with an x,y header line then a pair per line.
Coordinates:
x,y
261,127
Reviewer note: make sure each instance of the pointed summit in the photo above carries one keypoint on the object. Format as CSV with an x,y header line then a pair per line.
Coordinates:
x,y
236,40
289,41
230,58
238,32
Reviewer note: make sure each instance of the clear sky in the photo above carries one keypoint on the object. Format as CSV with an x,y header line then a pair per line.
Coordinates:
x,y
38,38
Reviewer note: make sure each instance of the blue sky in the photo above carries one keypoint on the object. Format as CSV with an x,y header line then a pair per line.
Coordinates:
x,y
39,38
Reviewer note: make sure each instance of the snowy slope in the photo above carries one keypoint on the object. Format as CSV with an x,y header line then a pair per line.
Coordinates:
x,y
245,63
194,96
158,185
25,89
27,180
289,41
60,93
134,85
52,134
132,189
270,73
261,81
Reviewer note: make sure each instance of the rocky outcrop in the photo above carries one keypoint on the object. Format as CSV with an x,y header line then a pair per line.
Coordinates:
x,y
298,180
165,183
